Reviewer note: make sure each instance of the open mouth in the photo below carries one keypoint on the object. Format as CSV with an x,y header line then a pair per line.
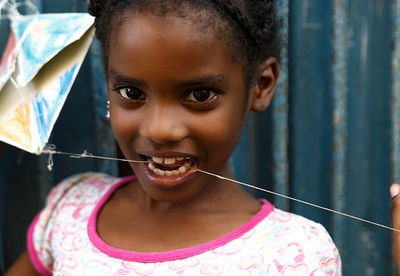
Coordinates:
x,y
170,166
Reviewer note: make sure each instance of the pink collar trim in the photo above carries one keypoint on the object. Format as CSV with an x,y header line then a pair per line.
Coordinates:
x,y
142,257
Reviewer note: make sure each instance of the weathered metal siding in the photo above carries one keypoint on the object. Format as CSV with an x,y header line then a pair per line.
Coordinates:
x,y
82,125
335,122
331,136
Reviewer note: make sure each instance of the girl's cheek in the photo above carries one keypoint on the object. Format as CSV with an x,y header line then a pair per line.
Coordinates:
x,y
124,126
220,132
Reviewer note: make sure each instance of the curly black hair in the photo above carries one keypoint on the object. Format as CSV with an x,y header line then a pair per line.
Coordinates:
x,y
248,26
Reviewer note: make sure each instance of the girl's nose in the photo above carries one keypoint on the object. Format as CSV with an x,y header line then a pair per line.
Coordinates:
x,y
163,125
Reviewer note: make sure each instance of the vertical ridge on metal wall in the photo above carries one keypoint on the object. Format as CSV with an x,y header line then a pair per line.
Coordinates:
x,y
104,140
339,119
1,240
280,109
395,158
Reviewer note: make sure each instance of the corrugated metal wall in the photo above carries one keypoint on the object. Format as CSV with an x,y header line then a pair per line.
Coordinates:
x,y
331,137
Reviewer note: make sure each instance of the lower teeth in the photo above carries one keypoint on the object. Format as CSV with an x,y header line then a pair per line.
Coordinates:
x,y
180,170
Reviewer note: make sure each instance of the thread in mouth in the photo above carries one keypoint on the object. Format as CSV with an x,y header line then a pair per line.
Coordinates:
x,y
172,166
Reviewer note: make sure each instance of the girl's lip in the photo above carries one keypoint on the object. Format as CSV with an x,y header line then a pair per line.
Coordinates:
x,y
165,154
164,181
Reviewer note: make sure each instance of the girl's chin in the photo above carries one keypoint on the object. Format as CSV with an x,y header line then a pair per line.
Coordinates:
x,y
166,181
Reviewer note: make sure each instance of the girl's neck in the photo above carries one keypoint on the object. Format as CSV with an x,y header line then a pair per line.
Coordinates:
x,y
131,221
216,196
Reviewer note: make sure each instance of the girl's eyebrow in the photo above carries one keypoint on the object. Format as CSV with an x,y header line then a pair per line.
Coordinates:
x,y
122,79
206,79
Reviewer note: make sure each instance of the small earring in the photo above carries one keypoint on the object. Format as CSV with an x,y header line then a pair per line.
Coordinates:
x,y
108,110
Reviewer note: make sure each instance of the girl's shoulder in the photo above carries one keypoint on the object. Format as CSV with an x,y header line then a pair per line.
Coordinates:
x,y
310,239
80,187
281,218
288,226
68,208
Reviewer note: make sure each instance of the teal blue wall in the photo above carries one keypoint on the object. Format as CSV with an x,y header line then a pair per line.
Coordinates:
x,y
331,136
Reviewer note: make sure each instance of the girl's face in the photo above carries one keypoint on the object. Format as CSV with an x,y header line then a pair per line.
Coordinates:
x,y
177,99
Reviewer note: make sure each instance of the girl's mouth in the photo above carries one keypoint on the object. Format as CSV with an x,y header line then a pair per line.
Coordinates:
x,y
169,171
170,166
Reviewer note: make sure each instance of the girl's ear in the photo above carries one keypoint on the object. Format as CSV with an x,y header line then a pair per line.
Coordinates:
x,y
264,88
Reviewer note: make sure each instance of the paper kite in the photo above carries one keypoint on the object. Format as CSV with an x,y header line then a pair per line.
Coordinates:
x,y
42,58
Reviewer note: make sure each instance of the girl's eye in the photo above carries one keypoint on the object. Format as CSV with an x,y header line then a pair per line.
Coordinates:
x,y
131,93
200,95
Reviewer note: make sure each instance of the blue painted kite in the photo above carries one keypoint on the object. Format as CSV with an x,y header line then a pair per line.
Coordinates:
x,y
42,58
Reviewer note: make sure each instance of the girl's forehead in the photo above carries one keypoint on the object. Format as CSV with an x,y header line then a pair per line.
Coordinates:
x,y
201,23
148,24
146,32
198,22
169,50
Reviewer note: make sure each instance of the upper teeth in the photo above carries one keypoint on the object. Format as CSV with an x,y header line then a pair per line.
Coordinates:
x,y
167,161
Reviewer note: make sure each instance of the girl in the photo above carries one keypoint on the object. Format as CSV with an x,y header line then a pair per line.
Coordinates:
x,y
182,78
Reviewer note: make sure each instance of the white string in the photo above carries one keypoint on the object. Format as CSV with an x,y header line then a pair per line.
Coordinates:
x,y
18,88
85,154
50,149
299,200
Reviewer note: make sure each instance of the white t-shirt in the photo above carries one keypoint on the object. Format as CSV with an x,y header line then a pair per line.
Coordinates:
x,y
62,240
